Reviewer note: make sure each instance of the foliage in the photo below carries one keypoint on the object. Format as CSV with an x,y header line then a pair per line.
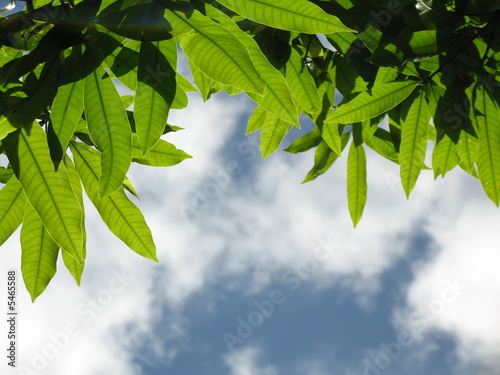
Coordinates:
x,y
401,77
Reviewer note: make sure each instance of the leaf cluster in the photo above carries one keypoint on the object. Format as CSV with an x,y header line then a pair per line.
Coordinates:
x,y
402,77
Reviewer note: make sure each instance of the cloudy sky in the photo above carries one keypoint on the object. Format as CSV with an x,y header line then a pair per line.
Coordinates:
x,y
262,275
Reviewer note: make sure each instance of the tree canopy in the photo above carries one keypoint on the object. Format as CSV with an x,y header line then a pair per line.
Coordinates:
x,y
402,77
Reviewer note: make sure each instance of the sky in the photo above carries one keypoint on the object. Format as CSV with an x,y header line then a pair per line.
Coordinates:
x,y
259,274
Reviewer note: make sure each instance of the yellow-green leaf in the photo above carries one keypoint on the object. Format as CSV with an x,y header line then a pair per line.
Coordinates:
x,y
273,132
39,253
488,162
11,208
210,47
121,216
66,111
356,182
302,83
413,141
367,105
49,192
109,129
156,87
297,15
162,154
277,97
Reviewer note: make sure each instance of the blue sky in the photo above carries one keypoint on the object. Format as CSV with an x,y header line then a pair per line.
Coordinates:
x,y
262,275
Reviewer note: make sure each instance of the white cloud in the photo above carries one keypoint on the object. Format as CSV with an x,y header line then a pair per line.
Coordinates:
x,y
245,362
464,226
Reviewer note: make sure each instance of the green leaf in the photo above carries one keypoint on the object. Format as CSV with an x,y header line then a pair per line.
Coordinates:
x,y
155,93
162,154
468,150
347,79
488,162
306,142
445,156
12,200
121,216
302,83
109,129
413,141
366,105
277,97
298,15
356,182
256,120
66,111
273,132
39,254
75,268
40,93
332,134
210,47
324,159
382,143
49,192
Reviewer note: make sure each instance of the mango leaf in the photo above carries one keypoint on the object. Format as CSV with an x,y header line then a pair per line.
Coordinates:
x,y
306,142
49,192
40,93
468,150
66,111
302,83
39,254
298,15
273,132
332,134
488,162
367,105
445,156
382,143
324,158
109,129
75,268
256,120
123,63
277,97
209,46
155,93
347,79
413,140
356,182
12,200
162,154
121,216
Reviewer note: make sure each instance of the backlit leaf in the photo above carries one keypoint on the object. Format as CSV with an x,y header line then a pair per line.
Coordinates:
x,y
39,254
12,201
49,192
121,216
413,141
298,15
356,182
367,105
109,129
